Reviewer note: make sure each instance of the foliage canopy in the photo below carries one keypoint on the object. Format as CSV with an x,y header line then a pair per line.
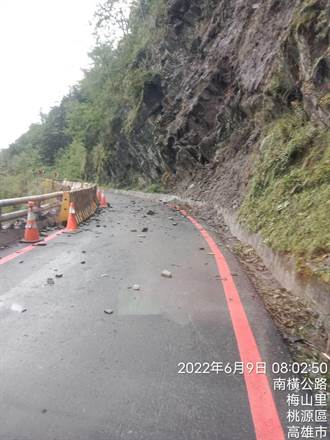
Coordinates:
x,y
74,139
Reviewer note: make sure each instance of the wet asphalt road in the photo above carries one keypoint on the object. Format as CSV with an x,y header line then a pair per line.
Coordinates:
x,y
69,371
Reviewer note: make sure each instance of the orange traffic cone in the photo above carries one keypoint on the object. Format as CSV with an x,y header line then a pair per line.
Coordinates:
x,y
31,234
103,203
72,225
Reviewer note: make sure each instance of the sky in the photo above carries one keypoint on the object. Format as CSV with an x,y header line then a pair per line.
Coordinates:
x,y
43,47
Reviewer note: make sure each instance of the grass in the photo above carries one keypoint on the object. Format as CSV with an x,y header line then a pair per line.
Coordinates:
x,y
288,201
155,188
312,15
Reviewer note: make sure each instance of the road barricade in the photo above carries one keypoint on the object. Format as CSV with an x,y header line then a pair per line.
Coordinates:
x,y
85,202
49,208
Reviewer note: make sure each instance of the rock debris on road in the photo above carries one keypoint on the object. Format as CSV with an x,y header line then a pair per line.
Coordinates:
x,y
121,378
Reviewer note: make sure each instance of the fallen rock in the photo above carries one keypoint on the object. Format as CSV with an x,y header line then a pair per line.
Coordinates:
x,y
108,311
151,212
18,308
104,275
59,275
136,287
166,274
144,229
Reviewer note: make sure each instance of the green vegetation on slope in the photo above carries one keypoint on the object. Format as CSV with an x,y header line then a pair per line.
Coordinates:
x,y
74,140
19,174
289,197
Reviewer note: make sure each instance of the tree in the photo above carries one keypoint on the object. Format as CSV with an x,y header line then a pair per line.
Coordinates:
x,y
71,163
112,20
78,137
54,134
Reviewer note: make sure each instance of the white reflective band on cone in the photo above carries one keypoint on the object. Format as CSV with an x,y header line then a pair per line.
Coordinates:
x,y
32,217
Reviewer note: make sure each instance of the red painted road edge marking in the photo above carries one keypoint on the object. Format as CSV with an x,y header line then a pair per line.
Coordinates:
x,y
26,249
265,416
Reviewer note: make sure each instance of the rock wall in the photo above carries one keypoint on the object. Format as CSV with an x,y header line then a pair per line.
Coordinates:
x,y
222,70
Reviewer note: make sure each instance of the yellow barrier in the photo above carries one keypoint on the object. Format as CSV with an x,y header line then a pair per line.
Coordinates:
x,y
85,200
64,211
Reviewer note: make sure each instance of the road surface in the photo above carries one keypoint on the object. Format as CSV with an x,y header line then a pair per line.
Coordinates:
x,y
69,371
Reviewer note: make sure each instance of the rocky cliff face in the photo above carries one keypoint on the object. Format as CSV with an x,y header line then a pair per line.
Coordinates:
x,y
236,111
223,70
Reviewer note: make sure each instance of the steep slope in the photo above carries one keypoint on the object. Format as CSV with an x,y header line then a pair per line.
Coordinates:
x,y
236,110
222,70
225,101
221,101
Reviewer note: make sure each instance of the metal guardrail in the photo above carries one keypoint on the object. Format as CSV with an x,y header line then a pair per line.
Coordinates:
x,y
5,217
82,194
22,200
